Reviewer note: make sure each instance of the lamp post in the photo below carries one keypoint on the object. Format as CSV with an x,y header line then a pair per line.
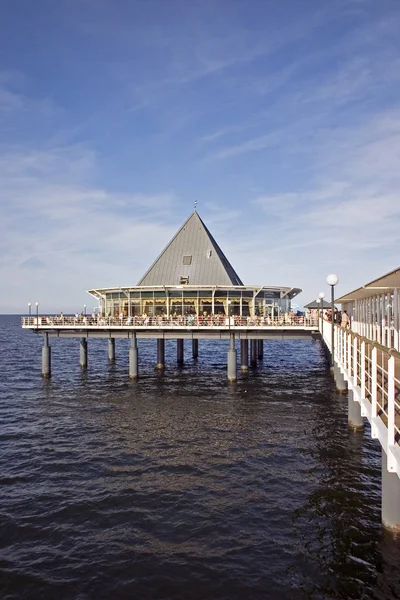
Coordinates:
x,y
318,301
229,313
37,314
321,295
30,310
332,280
84,309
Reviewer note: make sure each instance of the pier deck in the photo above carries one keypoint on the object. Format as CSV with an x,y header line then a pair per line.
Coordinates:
x,y
195,328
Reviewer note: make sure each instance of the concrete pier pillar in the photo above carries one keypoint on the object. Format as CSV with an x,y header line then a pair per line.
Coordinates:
x,y
46,358
83,353
260,349
244,355
253,352
195,348
133,359
390,498
232,359
354,418
341,384
111,349
161,353
179,351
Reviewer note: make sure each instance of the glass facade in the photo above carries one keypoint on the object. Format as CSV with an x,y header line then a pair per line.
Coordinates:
x,y
191,301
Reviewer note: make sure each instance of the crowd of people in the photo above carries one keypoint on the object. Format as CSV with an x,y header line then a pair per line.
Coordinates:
x,y
205,319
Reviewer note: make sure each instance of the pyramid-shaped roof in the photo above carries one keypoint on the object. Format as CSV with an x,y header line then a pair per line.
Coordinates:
x,y
192,256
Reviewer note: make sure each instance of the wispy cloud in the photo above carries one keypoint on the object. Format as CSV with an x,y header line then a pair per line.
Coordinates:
x,y
68,232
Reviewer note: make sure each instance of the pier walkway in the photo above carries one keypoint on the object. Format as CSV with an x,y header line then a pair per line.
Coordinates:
x,y
370,372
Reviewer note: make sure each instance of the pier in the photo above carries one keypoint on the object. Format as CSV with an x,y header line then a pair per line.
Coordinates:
x,y
246,330
192,293
365,362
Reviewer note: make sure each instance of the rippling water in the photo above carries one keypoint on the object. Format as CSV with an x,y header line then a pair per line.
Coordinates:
x,y
180,485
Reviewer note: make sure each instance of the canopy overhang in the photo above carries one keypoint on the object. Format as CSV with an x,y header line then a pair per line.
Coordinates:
x,y
381,285
284,291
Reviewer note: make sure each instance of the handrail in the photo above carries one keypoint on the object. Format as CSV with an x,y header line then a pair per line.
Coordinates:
x,y
372,372
49,321
373,343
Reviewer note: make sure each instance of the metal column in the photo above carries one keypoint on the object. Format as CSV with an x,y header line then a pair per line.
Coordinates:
x,y
160,353
133,359
195,348
260,349
390,498
111,349
354,418
232,359
83,353
253,353
46,357
179,351
244,355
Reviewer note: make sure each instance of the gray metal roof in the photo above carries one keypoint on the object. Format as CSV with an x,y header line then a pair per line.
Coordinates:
x,y
314,304
192,253
384,284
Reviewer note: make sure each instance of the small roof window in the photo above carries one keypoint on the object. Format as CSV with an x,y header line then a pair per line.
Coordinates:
x,y
187,259
184,280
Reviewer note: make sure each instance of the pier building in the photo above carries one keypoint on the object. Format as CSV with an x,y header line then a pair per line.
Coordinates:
x,y
192,277
192,292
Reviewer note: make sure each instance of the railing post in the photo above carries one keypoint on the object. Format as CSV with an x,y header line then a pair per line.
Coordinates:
x,y
374,382
349,347
363,373
391,404
355,365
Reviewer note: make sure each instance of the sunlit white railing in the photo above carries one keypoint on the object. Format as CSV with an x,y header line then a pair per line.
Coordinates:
x,y
372,372
220,321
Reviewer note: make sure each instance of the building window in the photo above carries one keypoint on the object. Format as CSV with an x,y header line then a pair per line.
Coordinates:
x,y
208,253
184,280
187,260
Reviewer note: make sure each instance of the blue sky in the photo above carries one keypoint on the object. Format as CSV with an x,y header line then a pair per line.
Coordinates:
x,y
281,119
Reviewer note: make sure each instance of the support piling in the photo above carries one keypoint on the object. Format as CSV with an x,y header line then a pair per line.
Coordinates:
x,y
390,498
133,358
354,418
160,353
83,353
179,351
46,358
253,352
232,359
111,349
244,355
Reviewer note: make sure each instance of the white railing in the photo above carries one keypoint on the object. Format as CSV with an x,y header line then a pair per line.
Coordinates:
x,y
387,335
221,321
372,372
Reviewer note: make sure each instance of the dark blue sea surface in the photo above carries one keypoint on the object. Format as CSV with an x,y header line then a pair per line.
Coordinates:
x,y
180,485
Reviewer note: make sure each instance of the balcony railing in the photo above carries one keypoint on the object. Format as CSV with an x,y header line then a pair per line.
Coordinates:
x,y
221,321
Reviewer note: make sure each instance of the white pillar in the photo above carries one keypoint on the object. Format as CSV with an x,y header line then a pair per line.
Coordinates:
x,y
111,349
390,498
46,358
133,359
83,353
232,359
